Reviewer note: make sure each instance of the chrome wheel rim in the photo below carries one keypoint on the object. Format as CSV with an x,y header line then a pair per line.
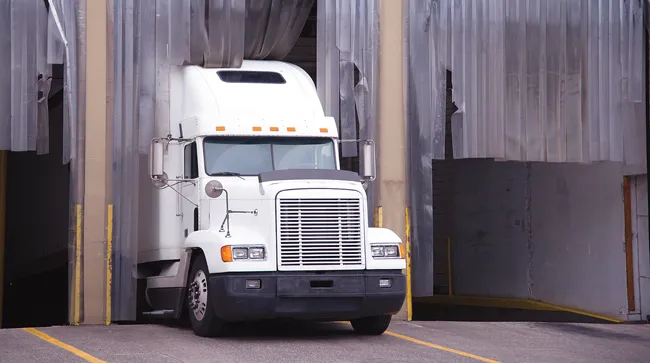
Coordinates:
x,y
198,295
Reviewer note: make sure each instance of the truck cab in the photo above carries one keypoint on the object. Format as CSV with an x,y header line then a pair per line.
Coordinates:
x,y
250,215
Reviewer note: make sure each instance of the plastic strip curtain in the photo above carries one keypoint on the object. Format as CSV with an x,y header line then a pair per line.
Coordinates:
x,y
5,75
534,80
150,37
25,76
70,17
29,34
426,119
67,22
347,68
33,43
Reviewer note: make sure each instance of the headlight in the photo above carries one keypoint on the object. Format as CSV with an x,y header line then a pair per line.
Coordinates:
x,y
256,253
391,251
377,251
240,253
232,253
387,251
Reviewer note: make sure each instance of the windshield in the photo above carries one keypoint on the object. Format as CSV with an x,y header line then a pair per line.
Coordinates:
x,y
255,155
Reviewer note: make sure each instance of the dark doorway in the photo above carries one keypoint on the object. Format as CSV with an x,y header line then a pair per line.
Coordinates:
x,y
36,244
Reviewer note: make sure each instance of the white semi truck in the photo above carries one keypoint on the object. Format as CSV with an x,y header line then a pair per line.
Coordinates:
x,y
251,217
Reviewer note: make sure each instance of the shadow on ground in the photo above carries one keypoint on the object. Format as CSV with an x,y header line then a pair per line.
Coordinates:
x,y
448,312
281,330
593,331
272,329
36,301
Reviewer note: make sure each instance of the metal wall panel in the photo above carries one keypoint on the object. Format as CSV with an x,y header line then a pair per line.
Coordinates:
x,y
534,80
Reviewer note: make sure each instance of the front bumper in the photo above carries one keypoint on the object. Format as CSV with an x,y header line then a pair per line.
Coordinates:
x,y
307,295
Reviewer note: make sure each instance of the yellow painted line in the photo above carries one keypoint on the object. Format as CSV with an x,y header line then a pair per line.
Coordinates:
x,y
77,267
109,263
440,347
62,345
409,298
431,345
510,303
579,312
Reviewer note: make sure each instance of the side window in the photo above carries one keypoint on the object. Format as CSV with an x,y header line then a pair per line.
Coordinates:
x,y
191,164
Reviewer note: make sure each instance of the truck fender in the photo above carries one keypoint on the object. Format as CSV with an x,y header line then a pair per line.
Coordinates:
x,y
383,235
209,243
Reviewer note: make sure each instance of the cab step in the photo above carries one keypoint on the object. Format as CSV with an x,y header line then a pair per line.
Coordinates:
x,y
159,313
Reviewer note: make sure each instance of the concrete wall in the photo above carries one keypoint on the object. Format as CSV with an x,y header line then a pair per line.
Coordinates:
x,y
551,232
578,237
488,243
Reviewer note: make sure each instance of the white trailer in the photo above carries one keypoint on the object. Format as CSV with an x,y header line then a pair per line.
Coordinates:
x,y
251,217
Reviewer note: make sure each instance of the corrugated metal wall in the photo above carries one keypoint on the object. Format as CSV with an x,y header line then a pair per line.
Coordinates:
x,y
535,80
553,81
35,35
24,73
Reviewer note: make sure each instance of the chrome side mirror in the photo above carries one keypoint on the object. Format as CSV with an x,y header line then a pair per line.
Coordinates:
x,y
157,160
157,164
369,167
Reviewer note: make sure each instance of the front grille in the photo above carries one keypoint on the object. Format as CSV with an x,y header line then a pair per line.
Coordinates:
x,y
320,232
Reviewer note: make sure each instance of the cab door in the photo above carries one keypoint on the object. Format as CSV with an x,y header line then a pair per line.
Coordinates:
x,y
189,194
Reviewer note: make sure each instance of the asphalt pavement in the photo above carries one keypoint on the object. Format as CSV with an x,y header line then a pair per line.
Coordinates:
x,y
280,342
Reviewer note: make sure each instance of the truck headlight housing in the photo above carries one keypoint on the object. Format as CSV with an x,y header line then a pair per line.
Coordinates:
x,y
256,253
393,250
239,253
242,253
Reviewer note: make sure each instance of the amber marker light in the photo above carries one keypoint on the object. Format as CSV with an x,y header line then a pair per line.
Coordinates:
x,y
226,254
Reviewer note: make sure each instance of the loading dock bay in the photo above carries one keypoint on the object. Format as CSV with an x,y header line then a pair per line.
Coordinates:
x,y
432,341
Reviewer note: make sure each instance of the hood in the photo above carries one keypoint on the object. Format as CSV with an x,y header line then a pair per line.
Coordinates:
x,y
333,205
258,194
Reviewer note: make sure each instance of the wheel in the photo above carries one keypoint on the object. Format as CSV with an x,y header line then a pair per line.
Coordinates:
x,y
372,325
202,318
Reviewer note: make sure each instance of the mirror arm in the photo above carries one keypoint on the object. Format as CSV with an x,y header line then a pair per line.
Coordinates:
x,y
179,193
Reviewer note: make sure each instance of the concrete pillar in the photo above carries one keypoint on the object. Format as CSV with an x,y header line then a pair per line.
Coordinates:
x,y
391,153
96,176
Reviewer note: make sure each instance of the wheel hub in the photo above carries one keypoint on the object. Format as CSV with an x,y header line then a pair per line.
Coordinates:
x,y
197,294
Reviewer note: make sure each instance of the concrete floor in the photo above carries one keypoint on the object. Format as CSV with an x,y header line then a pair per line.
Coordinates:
x,y
440,341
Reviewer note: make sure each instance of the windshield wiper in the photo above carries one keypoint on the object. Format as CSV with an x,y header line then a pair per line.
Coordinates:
x,y
227,173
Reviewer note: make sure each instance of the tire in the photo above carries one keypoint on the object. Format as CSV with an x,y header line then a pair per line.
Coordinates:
x,y
201,314
372,325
